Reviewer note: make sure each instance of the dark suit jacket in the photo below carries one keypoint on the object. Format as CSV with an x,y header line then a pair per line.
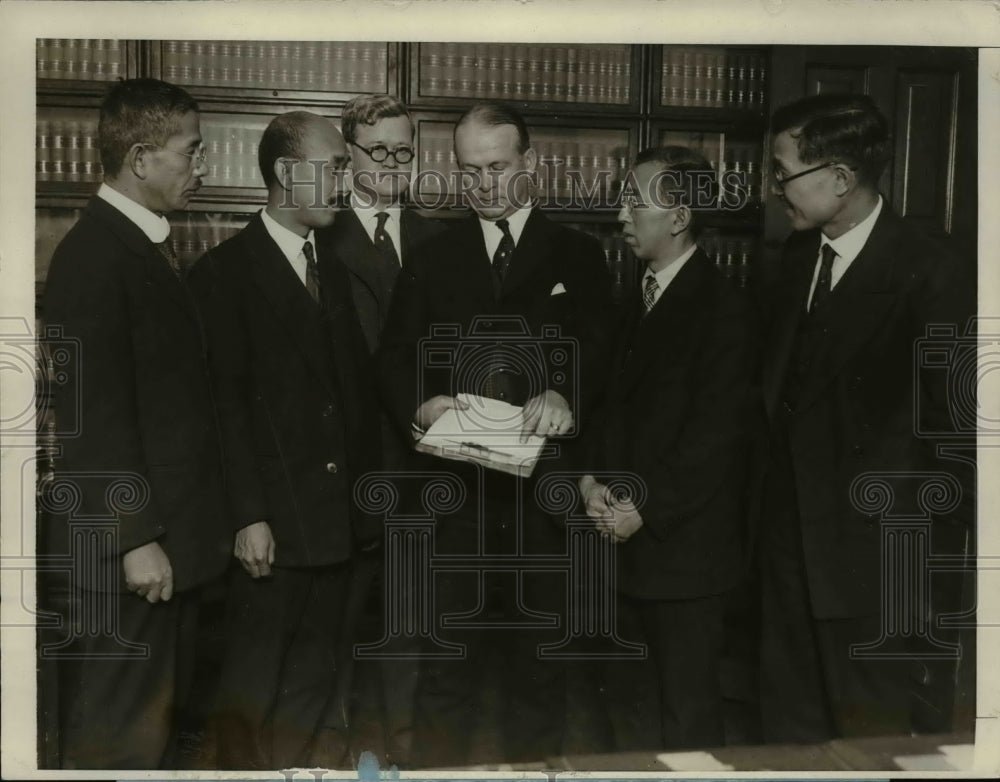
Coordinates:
x,y
350,242
678,414
294,393
551,340
139,382
858,405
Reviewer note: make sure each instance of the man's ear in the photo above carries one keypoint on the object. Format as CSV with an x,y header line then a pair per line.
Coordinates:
x,y
282,174
845,180
682,219
530,159
136,160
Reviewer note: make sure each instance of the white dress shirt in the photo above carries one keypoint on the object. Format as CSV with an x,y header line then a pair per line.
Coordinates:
x,y
848,247
153,225
492,233
290,243
666,275
369,220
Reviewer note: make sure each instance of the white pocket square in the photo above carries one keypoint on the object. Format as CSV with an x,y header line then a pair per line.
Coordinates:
x,y
559,288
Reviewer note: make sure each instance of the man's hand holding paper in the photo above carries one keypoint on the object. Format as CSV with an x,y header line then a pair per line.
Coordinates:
x,y
546,415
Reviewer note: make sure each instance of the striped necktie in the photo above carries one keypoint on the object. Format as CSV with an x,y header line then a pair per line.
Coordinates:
x,y
312,272
650,287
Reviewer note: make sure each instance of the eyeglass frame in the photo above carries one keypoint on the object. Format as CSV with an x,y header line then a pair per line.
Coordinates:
x,y
371,153
197,158
631,202
781,182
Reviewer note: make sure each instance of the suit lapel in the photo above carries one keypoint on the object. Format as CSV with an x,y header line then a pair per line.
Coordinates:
x,y
531,248
790,308
856,307
473,273
413,231
662,331
349,240
289,300
155,265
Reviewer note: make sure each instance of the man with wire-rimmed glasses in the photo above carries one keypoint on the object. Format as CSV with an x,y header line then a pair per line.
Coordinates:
x,y
115,286
845,398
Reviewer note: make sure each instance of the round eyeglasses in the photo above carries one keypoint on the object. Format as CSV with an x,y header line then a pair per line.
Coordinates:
x,y
196,158
380,153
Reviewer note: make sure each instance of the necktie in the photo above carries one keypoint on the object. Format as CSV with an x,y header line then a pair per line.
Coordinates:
x,y
166,249
501,258
312,272
823,281
383,241
650,287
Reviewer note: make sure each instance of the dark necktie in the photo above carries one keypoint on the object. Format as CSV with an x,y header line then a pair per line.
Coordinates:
x,y
383,241
823,281
501,258
312,272
166,249
650,287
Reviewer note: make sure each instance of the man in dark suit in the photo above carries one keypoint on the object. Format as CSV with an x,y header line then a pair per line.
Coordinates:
x,y
506,262
677,416
146,424
374,238
299,426
845,397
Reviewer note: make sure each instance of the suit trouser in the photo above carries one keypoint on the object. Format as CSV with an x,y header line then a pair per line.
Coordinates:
x,y
812,687
533,713
672,700
116,711
280,665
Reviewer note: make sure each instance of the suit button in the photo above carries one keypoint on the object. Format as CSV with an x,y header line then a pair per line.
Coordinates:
x,y
328,411
331,467
858,450
502,395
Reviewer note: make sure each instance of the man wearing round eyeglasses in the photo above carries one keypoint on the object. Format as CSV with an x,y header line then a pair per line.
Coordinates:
x,y
374,239
376,236
846,395
138,393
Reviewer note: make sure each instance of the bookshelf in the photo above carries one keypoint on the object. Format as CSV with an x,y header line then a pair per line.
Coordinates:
x,y
590,109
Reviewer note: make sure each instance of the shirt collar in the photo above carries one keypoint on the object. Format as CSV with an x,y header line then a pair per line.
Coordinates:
x,y
155,226
664,276
370,213
289,242
848,246
516,220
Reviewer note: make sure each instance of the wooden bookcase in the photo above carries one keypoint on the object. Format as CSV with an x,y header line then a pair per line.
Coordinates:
x,y
590,109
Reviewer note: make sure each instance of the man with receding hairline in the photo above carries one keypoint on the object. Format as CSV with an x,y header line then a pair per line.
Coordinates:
x,y
505,266
299,426
677,414
846,398
145,419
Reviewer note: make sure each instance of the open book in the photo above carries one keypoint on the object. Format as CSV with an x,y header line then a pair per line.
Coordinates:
x,y
487,433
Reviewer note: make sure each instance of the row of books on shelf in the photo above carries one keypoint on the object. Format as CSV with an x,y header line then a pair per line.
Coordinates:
x,y
95,59
67,151
352,66
713,78
733,255
592,170
195,235
562,73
